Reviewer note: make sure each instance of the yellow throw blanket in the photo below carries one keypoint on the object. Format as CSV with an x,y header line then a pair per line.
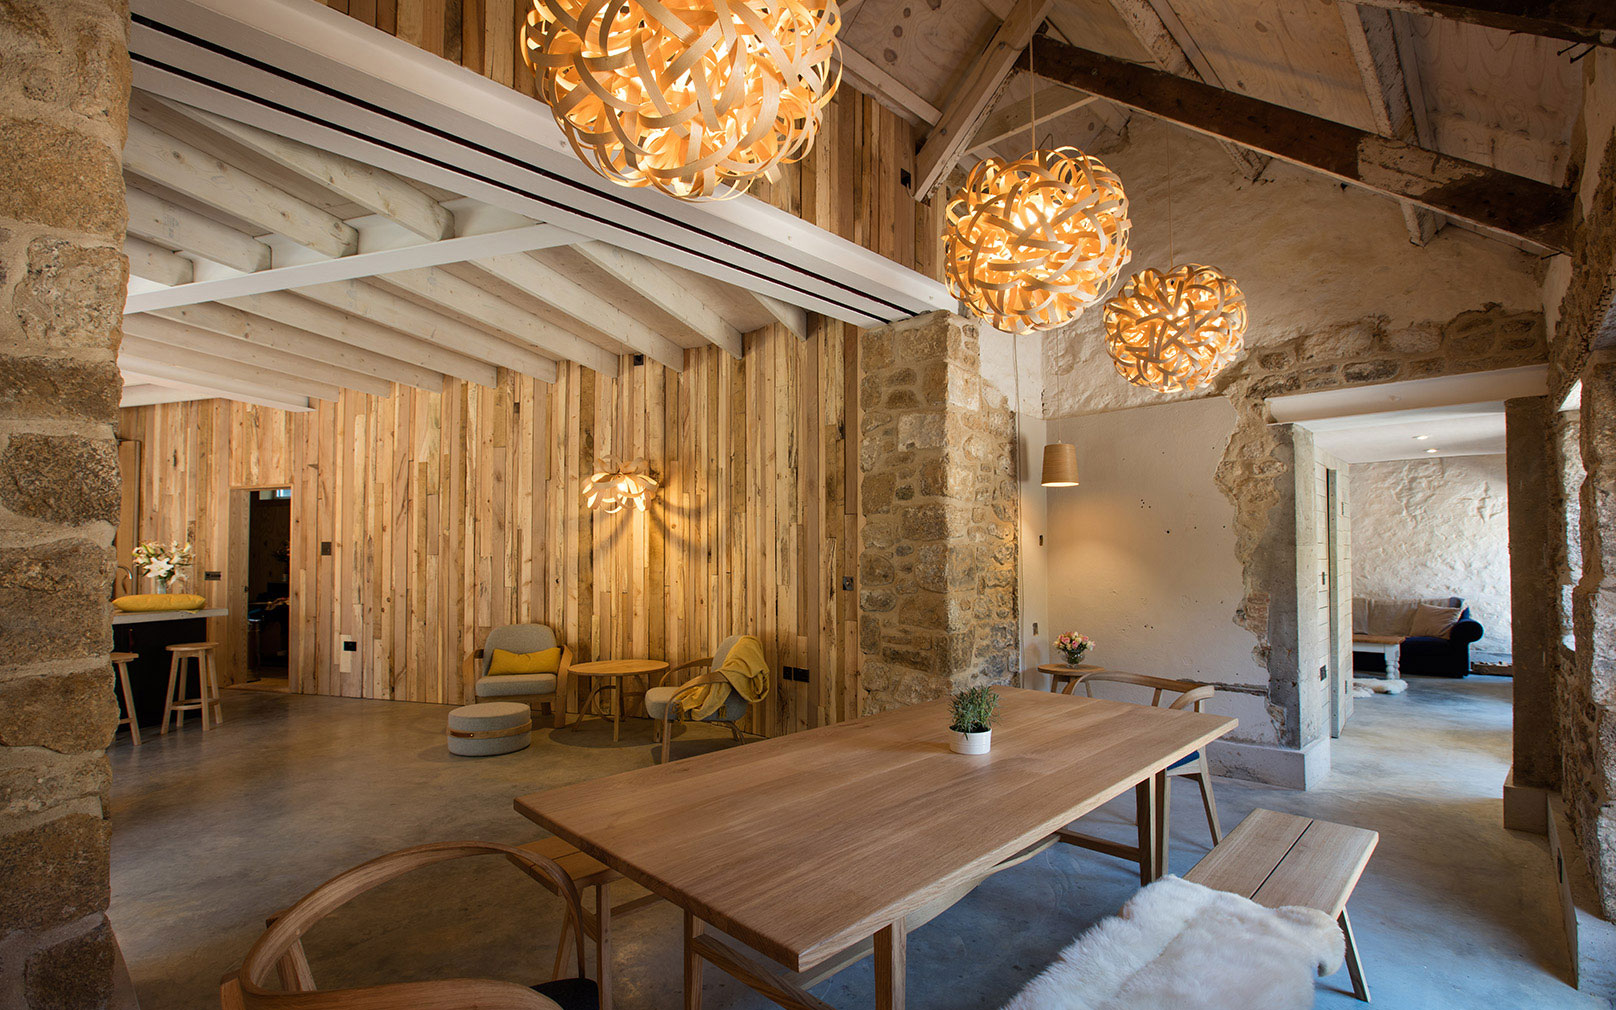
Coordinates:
x,y
744,670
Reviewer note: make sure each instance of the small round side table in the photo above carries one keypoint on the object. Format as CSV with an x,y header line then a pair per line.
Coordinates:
x,y
609,675
1061,674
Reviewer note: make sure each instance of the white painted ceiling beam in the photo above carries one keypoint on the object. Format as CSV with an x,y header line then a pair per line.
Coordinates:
x,y
488,309
789,316
378,306
214,391
292,310
577,302
163,223
154,329
167,362
154,155
651,281
377,191
157,264
275,336
358,265
146,394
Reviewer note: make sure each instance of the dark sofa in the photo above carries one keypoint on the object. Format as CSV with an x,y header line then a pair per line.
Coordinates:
x,y
1432,657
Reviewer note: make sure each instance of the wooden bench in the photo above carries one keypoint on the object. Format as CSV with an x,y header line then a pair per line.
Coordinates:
x,y
1280,859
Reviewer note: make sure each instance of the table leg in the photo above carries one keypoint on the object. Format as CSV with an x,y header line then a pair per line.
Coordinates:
x,y
693,927
603,943
1145,815
1164,820
891,957
617,710
1394,655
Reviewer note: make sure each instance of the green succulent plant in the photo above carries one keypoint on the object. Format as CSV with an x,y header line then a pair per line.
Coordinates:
x,y
974,710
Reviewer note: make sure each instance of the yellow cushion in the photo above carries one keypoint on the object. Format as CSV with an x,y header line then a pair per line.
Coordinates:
x,y
146,603
543,661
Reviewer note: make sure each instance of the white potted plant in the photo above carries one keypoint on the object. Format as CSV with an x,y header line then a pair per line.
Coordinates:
x,y
974,711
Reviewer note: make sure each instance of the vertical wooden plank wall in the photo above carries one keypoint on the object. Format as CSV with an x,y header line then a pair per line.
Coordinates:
x,y
446,515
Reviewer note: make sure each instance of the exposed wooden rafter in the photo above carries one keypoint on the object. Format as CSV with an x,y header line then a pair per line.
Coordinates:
x,y
963,115
164,224
1007,120
869,78
1159,31
157,264
1394,96
155,388
1591,21
1498,201
651,281
156,330
186,365
790,316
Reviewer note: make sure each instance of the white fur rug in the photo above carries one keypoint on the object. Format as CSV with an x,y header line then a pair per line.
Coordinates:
x,y
1181,946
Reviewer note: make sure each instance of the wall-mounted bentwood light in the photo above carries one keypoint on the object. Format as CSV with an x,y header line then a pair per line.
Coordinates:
x,y
613,490
1060,465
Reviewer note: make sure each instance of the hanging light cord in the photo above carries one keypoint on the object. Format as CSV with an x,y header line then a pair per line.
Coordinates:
x,y
1032,96
1172,259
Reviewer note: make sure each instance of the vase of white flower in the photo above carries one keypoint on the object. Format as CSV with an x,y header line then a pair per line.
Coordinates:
x,y
1073,647
163,563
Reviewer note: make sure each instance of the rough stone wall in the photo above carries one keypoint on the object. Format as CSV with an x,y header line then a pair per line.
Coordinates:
x,y
937,563
1435,527
63,114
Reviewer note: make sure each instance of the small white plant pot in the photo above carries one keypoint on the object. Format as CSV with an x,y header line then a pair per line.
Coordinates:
x,y
972,743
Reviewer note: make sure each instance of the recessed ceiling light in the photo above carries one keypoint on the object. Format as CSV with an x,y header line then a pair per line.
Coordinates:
x,y
1431,450
1421,438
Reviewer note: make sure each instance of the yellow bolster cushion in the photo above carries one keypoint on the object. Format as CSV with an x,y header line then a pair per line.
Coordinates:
x,y
145,603
543,661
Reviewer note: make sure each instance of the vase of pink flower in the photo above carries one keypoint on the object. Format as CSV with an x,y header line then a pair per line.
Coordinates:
x,y
1073,647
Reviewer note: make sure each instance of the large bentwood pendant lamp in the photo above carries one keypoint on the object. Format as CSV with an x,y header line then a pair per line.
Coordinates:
x,y
687,96
1029,244
1060,465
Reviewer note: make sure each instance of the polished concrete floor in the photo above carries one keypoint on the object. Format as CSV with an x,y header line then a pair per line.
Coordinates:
x,y
213,832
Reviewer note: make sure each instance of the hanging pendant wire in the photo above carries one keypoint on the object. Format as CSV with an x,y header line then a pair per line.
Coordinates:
x,y
1032,96
1172,259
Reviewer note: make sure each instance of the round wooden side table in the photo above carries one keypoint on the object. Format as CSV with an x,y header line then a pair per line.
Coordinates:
x,y
609,675
1062,674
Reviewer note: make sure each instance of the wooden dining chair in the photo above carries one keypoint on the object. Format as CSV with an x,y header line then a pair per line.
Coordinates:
x,y
280,949
1186,694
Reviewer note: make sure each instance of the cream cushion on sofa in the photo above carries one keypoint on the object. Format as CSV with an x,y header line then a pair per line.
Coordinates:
x,y
1391,617
1434,622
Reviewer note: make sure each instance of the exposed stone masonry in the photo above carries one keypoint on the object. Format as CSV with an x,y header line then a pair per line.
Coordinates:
x,y
63,114
937,568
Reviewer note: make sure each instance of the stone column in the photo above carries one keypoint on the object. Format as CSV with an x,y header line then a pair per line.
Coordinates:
x,y
1534,601
1593,800
937,563
63,116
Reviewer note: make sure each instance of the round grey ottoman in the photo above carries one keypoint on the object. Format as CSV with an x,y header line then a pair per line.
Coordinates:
x,y
493,727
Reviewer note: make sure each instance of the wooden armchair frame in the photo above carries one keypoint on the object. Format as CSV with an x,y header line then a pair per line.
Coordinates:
x,y
665,725
1192,695
560,702
280,948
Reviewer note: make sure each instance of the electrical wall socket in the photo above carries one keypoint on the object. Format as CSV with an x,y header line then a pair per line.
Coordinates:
x,y
345,655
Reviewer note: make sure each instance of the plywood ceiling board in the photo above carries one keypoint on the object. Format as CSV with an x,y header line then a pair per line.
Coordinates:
x,y
1496,98
1288,52
926,44
1094,25
1086,128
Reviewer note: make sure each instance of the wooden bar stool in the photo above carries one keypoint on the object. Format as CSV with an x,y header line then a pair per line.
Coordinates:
x,y
207,685
120,662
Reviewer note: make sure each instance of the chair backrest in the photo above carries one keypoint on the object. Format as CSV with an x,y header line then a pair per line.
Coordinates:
x,y
1190,694
516,638
722,652
280,948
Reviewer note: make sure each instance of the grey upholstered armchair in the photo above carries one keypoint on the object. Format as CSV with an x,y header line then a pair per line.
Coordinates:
x,y
532,688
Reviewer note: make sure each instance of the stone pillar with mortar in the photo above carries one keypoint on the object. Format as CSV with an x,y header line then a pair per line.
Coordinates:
x,y
64,100
938,529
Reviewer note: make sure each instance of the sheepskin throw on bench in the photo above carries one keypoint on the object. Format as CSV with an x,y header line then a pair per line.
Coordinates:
x,y
1181,946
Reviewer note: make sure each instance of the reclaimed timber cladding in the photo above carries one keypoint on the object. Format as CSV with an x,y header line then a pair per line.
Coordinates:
x,y
448,514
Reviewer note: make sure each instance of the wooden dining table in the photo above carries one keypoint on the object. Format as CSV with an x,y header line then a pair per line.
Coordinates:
x,y
804,846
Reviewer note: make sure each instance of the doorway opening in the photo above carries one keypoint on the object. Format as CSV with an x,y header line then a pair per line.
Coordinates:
x,y
268,587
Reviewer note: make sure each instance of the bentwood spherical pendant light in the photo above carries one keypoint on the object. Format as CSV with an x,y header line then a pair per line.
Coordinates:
x,y
685,95
1030,244
1174,331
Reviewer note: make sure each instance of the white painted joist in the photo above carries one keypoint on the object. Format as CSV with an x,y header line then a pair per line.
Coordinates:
x,y
155,263
370,302
154,155
145,394
790,316
663,289
365,335
156,329
275,336
377,191
488,309
164,224
365,264
577,302
200,369
217,390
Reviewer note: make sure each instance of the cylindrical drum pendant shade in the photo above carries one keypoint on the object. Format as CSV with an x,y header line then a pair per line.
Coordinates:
x,y
1060,465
